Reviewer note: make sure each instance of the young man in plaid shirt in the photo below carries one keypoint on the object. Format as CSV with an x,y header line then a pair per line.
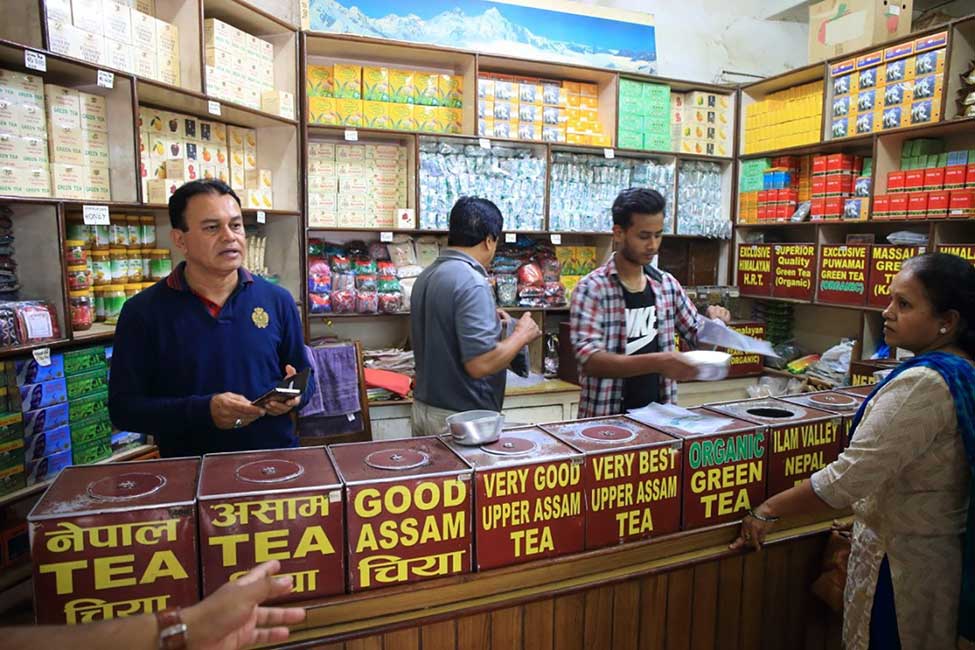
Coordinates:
x,y
624,314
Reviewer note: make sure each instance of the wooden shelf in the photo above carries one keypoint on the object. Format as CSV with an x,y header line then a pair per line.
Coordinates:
x,y
182,100
122,456
829,146
796,77
247,16
98,332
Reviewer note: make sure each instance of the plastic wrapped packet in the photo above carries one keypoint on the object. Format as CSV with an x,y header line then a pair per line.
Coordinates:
x,y
385,268
316,248
363,265
344,301
530,274
401,251
378,251
365,283
507,289
367,302
343,281
427,250
319,265
551,269
388,284
319,303
37,321
390,303
699,200
319,283
407,285
340,264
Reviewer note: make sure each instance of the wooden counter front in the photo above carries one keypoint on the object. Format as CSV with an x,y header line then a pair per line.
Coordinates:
x,y
680,591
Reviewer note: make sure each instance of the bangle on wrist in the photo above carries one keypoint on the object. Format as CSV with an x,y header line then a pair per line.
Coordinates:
x,y
766,518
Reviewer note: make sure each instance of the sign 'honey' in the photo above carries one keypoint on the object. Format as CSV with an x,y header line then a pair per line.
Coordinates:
x,y
528,500
115,540
284,505
801,440
724,469
408,511
632,478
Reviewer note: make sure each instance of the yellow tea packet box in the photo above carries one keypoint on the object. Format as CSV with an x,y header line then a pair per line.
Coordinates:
x,y
349,112
426,89
451,90
319,81
401,86
347,81
375,115
453,120
427,119
401,117
375,84
321,110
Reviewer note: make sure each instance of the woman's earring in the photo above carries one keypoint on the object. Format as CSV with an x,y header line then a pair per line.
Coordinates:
x,y
943,330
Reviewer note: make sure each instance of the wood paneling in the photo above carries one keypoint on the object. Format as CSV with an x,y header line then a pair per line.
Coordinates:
x,y
540,625
439,636
474,632
626,615
569,619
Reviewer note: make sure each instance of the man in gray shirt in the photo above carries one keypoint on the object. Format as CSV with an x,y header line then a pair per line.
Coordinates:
x,y
456,327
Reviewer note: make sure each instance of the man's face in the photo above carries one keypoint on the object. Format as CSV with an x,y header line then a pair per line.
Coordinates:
x,y
214,239
640,242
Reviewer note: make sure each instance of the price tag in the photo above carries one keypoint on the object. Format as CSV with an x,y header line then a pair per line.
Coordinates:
x,y
556,238
213,107
386,236
261,216
894,10
351,135
95,215
510,238
106,79
35,61
609,153
484,142
42,356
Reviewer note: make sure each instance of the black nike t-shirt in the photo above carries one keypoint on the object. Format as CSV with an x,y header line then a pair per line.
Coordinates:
x,y
641,338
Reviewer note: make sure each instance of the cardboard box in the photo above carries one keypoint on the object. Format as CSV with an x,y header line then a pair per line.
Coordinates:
x,y
347,81
87,16
66,146
94,148
63,107
322,110
143,31
119,56
837,27
92,48
94,114
117,21
97,184
278,102
145,63
167,37
401,87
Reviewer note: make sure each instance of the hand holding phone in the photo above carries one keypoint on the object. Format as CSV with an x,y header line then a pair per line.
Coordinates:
x,y
287,389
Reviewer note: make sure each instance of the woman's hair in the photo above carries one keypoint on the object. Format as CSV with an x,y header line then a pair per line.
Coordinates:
x,y
949,283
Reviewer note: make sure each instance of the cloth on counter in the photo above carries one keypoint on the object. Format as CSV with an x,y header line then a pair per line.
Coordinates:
x,y
336,371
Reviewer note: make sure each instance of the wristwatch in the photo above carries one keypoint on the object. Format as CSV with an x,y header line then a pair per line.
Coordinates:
x,y
172,629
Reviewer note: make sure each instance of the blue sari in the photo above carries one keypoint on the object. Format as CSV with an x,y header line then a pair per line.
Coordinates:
x,y
959,375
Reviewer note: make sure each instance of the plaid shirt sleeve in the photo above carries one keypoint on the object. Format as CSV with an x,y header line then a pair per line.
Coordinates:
x,y
584,319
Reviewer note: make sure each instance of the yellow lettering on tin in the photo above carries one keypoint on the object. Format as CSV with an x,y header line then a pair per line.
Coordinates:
x,y
163,564
107,568
271,545
314,539
531,541
228,546
63,574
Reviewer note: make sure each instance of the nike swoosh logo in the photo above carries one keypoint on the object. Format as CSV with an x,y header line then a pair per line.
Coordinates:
x,y
637,344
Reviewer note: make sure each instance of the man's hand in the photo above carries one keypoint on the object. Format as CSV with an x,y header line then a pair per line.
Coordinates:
x,y
527,328
719,312
675,365
227,408
280,408
231,618
503,316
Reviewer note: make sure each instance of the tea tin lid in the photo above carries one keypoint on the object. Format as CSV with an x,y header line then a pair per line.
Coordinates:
x,y
393,460
272,470
92,489
516,447
769,411
607,434
829,400
712,423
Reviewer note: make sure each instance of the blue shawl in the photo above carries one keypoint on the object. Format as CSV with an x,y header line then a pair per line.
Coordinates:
x,y
959,375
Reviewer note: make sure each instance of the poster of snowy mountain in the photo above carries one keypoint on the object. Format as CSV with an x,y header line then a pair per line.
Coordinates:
x,y
576,33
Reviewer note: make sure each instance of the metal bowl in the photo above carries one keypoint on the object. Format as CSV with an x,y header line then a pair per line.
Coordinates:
x,y
475,427
711,365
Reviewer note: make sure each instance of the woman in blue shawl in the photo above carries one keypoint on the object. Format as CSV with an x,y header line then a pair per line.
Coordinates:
x,y
907,474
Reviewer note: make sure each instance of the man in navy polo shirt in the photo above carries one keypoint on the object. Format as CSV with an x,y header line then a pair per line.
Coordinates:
x,y
193,351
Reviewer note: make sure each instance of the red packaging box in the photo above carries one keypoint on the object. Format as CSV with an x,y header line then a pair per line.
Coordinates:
x,y
961,203
955,177
787,196
783,212
895,181
934,178
839,185
917,205
834,207
763,196
839,162
881,207
817,208
762,214
938,204
818,165
913,180
970,176
898,206
819,186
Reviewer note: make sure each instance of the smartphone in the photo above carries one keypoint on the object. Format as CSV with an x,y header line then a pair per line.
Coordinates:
x,y
287,389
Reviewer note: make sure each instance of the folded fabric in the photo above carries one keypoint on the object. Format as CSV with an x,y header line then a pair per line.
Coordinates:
x,y
394,382
337,373
520,365
320,426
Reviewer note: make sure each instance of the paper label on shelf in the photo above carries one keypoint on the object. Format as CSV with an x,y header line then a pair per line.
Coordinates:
x,y
609,153
351,135
42,356
385,236
556,239
893,10
38,325
35,61
213,107
261,216
106,79
510,238
95,215
484,142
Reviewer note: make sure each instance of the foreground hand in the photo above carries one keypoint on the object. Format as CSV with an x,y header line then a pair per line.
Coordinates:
x,y
527,328
719,312
753,533
231,618
227,408
503,316
280,408
676,366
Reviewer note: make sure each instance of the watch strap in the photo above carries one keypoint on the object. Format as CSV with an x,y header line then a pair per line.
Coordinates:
x,y
172,629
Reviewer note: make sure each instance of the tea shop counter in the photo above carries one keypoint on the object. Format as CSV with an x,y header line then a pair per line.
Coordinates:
x,y
657,593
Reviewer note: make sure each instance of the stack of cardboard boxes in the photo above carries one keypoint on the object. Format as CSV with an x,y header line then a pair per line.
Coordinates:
x,y
115,35
355,185
24,169
931,184
77,144
705,123
175,149
840,187
240,69
643,116
787,118
376,97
